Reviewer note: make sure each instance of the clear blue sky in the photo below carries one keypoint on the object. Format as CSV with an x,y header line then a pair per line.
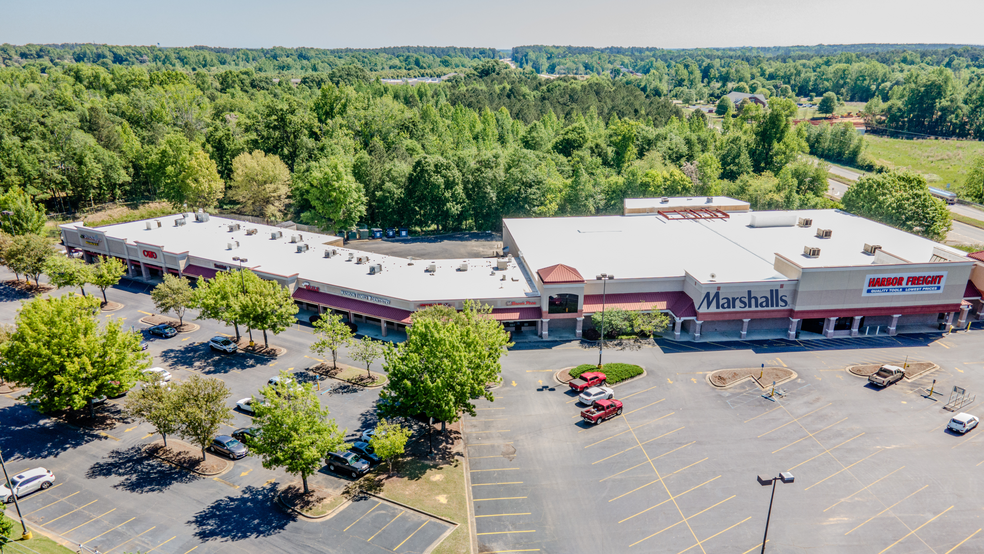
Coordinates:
x,y
502,24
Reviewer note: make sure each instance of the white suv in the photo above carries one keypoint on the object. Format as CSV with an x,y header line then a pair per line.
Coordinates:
x,y
26,483
222,344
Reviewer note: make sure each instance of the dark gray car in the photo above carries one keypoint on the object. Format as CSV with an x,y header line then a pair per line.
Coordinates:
x,y
224,444
365,452
347,462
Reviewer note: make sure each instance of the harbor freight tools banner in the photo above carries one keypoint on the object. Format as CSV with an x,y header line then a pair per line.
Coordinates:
x,y
904,283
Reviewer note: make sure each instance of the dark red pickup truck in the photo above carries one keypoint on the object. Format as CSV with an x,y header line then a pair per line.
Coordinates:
x,y
602,410
587,380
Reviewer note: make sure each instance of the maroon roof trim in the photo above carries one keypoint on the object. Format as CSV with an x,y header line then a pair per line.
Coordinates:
x,y
748,314
351,304
515,314
971,291
199,271
903,310
979,256
674,301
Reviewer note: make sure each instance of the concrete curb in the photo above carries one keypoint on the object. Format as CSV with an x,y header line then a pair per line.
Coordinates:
x,y
193,326
932,368
116,309
411,508
472,531
229,464
295,511
630,379
707,378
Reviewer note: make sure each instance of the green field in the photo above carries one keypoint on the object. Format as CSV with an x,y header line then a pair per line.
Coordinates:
x,y
941,161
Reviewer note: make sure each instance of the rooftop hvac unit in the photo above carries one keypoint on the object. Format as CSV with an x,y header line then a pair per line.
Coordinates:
x,y
180,221
150,225
871,248
158,222
503,277
805,222
501,263
201,216
293,238
351,255
432,268
276,235
824,233
232,245
362,260
302,248
463,266
234,227
772,219
328,253
375,268
251,232
811,252
664,200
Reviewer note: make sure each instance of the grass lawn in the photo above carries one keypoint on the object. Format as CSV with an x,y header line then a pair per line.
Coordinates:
x,y
433,488
614,373
941,161
40,544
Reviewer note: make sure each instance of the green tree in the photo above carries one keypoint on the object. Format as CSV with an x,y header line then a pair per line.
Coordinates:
x,y
648,324
173,294
828,104
67,357
63,271
572,138
389,441
219,298
106,273
203,409
434,195
156,403
25,216
27,254
973,186
900,199
614,322
775,143
368,351
267,306
337,200
332,334
295,430
6,529
260,184
724,106
448,360
200,184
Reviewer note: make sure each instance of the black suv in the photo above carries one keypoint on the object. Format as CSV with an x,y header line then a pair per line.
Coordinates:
x,y
347,462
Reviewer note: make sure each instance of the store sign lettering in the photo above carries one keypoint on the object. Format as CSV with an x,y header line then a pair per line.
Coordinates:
x,y
90,239
422,306
312,287
904,283
523,303
363,296
747,301
150,254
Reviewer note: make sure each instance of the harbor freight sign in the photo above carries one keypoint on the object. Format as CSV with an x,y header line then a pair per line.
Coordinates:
x,y
904,283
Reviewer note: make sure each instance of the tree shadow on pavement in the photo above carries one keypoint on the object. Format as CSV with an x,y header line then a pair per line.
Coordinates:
x,y
141,474
28,435
251,514
199,357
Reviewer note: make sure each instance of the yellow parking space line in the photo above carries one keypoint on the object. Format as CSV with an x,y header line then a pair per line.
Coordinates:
x,y
809,435
489,443
714,506
387,525
691,465
145,313
624,432
69,513
963,541
506,533
224,482
793,421
86,523
781,362
624,470
916,529
411,535
633,490
825,451
192,548
646,406
966,439
863,489
640,392
647,461
130,539
362,516
40,493
689,518
503,515
502,498
113,529
637,446
756,547
885,510
762,414
657,532
499,469
490,484
107,435
162,544
843,469
671,498
716,534
53,503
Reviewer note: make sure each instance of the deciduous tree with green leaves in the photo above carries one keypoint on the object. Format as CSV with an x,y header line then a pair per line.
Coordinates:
x,y
63,271
900,199
157,404
267,306
724,106
27,254
174,294
389,441
67,357
295,430
106,273
337,200
332,334
219,298
260,184
25,217
828,104
368,350
203,409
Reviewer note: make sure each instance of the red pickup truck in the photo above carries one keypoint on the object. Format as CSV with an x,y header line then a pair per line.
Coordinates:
x,y
602,410
587,380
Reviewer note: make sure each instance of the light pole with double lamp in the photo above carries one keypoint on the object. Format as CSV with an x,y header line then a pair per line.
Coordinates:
x,y
604,278
26,533
765,480
242,279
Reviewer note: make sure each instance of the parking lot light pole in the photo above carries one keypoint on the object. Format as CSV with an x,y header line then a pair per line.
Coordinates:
x,y
242,279
604,278
26,534
763,480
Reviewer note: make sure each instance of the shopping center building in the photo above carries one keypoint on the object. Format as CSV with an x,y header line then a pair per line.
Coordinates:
x,y
716,268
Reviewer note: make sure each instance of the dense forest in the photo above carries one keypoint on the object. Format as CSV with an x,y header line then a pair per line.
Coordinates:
x,y
336,147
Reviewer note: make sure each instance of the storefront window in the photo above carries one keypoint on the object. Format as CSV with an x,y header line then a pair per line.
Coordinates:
x,y
563,304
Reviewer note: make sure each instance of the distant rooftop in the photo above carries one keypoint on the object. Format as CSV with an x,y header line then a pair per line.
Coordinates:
x,y
653,205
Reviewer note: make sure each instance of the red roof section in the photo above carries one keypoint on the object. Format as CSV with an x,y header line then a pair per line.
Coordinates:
x,y
516,314
676,301
560,273
971,291
351,304
199,271
979,256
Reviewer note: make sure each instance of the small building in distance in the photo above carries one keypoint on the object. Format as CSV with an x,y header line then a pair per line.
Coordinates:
x,y
737,97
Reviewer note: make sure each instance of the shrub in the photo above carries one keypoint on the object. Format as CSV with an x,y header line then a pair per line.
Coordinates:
x,y
614,373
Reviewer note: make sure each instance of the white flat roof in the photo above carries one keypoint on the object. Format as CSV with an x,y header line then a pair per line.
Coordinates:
x,y
650,246
401,278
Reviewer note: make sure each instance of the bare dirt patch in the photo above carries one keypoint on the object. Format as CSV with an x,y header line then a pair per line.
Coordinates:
x,y
764,378
271,351
7,388
157,319
187,457
350,374
29,287
318,502
912,369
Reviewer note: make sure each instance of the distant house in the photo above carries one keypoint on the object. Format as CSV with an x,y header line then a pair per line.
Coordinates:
x,y
737,97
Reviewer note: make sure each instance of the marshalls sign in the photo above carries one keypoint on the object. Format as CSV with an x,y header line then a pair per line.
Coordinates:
x,y
904,283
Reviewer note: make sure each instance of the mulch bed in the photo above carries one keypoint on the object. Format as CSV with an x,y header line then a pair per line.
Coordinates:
x,y
259,349
29,287
187,457
310,504
157,319
108,417
111,306
912,369
564,376
325,369
727,377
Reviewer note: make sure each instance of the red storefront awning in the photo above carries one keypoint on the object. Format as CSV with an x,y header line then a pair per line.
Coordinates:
x,y
971,291
676,302
351,304
199,271
516,314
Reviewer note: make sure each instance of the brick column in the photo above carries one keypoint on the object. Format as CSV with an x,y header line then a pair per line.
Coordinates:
x,y
964,312
793,324
544,328
677,328
697,329
855,324
828,328
893,325
744,327
580,326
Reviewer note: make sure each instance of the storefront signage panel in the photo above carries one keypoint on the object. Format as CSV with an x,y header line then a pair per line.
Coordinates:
x,y
771,299
904,283
363,296
90,238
